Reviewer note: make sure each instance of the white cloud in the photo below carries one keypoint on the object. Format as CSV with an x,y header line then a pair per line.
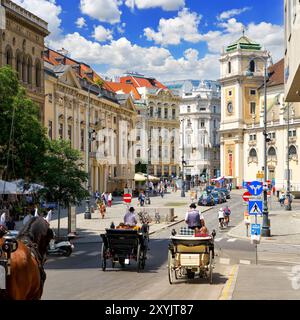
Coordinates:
x,y
80,23
102,10
121,28
167,5
231,13
121,55
173,31
268,35
101,34
46,10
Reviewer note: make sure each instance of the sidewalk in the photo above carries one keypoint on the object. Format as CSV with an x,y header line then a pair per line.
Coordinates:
x,y
285,226
89,230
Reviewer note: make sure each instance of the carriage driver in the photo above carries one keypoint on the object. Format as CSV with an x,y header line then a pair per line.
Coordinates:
x,y
129,218
194,218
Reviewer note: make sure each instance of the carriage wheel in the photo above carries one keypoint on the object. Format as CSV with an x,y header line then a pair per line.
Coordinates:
x,y
103,258
210,272
171,268
139,258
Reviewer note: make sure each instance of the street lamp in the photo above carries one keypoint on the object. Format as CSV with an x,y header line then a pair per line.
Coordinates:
x,y
183,161
266,232
87,214
288,206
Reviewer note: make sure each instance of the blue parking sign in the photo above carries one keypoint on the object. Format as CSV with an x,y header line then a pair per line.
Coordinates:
x,y
255,229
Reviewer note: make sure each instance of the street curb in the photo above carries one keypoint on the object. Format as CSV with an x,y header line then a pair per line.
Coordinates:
x,y
264,240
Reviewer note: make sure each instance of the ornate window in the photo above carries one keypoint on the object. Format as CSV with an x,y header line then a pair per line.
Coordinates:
x,y
252,156
293,153
38,73
29,70
229,66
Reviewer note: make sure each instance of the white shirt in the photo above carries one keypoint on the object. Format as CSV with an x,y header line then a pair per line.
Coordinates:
x,y
36,214
110,197
221,214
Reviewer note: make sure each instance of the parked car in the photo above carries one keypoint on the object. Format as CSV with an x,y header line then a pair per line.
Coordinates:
x,y
226,191
223,196
217,196
206,199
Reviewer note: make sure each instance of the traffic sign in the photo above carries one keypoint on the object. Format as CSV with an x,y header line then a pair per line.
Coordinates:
x,y
255,229
255,188
127,197
255,207
246,196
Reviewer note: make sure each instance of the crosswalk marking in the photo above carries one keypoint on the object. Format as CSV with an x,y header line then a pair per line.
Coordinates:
x,y
224,261
95,253
218,239
78,252
245,262
231,240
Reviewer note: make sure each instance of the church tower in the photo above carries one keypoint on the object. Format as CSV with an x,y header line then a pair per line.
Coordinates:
x,y
242,74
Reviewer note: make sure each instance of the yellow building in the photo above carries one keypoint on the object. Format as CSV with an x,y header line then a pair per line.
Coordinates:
x,y
292,50
239,102
242,118
21,47
71,94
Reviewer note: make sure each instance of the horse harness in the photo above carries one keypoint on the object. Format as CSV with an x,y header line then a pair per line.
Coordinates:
x,y
9,246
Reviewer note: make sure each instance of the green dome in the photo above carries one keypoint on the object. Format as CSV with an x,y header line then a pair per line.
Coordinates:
x,y
244,43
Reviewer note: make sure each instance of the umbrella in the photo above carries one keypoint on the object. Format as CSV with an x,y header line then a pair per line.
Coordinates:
x,y
30,188
8,187
153,178
139,177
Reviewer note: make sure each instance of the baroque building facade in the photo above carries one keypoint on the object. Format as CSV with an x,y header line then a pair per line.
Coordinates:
x,y
242,118
157,127
200,116
73,97
21,47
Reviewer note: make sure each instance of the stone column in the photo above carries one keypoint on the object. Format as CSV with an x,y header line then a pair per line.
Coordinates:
x,y
97,178
65,102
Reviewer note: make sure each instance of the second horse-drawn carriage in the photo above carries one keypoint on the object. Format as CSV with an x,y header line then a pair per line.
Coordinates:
x,y
122,245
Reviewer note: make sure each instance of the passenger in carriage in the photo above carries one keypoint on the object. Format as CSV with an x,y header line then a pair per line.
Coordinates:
x,y
193,218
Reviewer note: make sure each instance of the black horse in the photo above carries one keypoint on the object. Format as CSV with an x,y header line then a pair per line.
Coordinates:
x,y
26,281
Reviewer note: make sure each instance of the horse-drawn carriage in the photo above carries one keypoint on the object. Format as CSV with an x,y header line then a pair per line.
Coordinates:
x,y
188,255
123,245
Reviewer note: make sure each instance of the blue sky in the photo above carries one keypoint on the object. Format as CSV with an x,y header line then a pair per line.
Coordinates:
x,y
169,39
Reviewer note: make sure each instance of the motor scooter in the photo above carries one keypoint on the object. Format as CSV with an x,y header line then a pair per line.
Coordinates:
x,y
61,246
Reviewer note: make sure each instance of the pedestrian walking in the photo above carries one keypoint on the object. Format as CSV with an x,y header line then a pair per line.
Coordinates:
x,y
109,200
10,223
141,198
102,210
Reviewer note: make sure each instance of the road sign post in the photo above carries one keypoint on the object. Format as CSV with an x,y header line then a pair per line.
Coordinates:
x,y
255,207
255,237
127,198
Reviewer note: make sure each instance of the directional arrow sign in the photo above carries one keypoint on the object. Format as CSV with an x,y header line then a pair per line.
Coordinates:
x,y
255,188
255,207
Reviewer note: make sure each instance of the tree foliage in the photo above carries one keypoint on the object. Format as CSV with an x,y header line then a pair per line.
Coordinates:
x,y
22,136
63,175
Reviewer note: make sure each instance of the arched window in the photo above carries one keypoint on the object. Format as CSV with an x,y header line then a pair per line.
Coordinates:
x,y
8,56
29,70
229,66
38,74
292,151
19,65
24,69
138,153
252,66
253,153
272,152
189,109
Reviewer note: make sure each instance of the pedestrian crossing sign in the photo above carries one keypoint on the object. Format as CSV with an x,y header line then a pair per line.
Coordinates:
x,y
255,207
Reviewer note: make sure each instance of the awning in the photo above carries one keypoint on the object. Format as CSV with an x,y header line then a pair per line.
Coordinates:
x,y
153,178
218,179
139,177
8,187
